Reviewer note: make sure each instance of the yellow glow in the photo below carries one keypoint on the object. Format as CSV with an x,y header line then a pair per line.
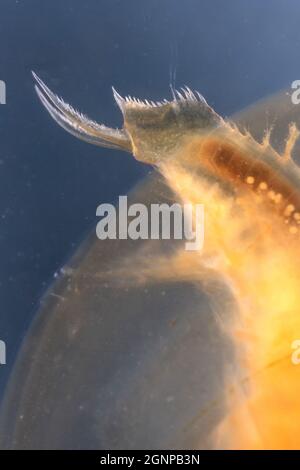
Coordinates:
x,y
256,253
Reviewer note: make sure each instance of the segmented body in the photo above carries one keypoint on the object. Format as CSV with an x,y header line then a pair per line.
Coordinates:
x,y
251,196
252,211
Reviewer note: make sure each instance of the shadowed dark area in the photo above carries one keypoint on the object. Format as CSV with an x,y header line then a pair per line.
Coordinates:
x,y
115,364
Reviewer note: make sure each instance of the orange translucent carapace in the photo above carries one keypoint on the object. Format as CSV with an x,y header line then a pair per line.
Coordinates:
x,y
251,198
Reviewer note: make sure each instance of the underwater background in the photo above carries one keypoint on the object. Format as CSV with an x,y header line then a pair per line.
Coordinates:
x,y
233,52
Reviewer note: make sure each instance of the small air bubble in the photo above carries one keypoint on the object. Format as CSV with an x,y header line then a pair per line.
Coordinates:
x,y
250,180
297,216
272,195
289,209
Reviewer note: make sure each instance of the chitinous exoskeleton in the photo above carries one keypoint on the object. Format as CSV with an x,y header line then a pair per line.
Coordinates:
x,y
251,196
